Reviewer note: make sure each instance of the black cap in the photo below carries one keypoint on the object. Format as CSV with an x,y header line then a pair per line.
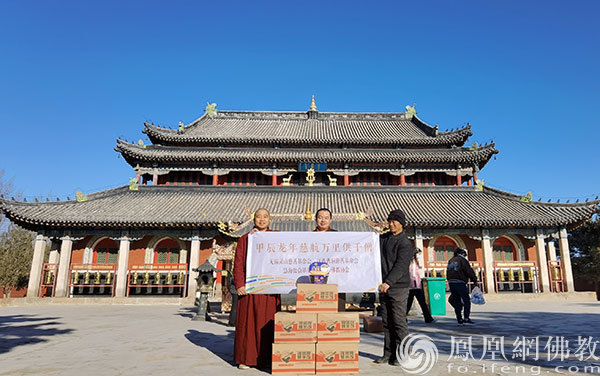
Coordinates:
x,y
460,252
397,215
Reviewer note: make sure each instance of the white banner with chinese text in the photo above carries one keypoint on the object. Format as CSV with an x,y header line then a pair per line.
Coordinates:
x,y
276,261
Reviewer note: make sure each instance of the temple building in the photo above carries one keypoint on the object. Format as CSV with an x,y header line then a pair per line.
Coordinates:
x,y
196,186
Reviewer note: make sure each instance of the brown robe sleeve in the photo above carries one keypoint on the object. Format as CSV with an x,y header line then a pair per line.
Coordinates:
x,y
239,265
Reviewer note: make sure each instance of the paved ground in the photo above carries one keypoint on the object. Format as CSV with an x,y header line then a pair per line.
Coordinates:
x,y
162,340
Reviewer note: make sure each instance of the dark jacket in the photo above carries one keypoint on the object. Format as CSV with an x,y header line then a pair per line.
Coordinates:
x,y
460,269
396,253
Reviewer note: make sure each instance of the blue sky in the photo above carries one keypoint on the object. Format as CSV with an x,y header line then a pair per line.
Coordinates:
x,y
75,76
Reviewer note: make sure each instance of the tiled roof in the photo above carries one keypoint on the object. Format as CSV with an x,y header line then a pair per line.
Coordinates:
x,y
205,206
249,127
179,154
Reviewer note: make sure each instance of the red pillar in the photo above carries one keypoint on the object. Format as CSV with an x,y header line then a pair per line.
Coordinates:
x,y
274,180
458,179
215,179
346,179
402,179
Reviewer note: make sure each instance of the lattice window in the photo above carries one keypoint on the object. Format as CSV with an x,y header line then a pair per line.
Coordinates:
x,y
444,249
162,256
101,256
106,256
503,253
167,256
113,256
174,256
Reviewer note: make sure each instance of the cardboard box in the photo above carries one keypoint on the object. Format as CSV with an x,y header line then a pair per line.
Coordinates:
x,y
340,326
373,324
293,358
295,327
337,357
316,298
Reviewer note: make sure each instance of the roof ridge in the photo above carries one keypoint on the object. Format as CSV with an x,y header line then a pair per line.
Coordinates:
x,y
270,148
93,195
206,205
517,197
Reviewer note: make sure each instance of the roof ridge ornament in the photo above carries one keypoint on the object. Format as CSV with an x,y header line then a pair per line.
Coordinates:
x,y
134,184
479,185
527,198
410,111
313,106
80,197
211,109
313,113
307,213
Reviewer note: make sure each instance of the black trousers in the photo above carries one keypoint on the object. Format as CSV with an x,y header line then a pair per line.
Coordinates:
x,y
420,295
393,313
459,298
233,312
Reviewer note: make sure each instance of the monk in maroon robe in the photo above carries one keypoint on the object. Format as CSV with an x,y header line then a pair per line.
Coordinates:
x,y
255,312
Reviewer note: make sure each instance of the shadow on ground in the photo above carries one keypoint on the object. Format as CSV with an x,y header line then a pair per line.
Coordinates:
x,y
21,330
220,345
215,315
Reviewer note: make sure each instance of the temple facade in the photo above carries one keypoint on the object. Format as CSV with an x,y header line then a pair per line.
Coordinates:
x,y
196,186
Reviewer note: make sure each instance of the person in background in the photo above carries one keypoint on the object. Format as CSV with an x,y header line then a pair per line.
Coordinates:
x,y
255,312
396,252
416,289
323,220
459,272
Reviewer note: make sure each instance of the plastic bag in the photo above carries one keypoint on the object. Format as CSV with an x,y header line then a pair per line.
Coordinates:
x,y
477,296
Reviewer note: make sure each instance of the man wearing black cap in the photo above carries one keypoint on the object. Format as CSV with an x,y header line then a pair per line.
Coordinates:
x,y
396,252
459,272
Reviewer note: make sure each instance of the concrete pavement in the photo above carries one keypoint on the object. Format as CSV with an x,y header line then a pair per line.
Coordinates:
x,y
162,340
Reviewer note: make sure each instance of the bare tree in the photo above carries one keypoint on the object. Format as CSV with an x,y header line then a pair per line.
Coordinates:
x,y
16,248
6,188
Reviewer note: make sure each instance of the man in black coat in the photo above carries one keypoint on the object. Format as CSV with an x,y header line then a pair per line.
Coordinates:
x,y
458,273
396,252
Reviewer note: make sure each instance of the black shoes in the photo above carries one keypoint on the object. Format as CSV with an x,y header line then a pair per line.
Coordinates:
x,y
388,360
383,359
468,321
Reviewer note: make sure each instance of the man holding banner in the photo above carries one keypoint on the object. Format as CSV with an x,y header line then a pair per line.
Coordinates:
x,y
323,220
255,312
396,252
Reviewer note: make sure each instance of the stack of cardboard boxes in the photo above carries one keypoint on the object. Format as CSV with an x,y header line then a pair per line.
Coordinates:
x,y
317,338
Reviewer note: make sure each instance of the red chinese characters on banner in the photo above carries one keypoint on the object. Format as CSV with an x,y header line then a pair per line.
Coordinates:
x,y
279,260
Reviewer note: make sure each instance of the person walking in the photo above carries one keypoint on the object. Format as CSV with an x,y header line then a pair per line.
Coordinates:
x,y
458,273
396,252
416,288
254,330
